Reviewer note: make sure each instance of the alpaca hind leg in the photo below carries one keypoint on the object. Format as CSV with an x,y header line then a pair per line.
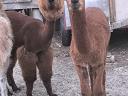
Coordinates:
x,y
27,63
45,70
84,80
10,72
3,78
97,80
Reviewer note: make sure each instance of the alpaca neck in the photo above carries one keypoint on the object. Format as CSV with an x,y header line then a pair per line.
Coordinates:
x,y
80,36
49,29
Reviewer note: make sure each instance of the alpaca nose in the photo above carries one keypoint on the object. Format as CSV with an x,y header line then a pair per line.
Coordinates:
x,y
51,1
74,1
51,4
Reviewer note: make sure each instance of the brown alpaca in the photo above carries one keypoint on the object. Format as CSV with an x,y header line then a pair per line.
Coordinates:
x,y
36,38
90,38
6,44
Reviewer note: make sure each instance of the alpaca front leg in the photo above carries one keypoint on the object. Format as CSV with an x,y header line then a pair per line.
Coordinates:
x,y
46,75
97,75
29,78
92,73
84,80
45,69
29,85
47,84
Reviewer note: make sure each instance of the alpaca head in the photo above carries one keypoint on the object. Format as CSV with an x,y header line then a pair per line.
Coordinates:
x,y
76,4
51,9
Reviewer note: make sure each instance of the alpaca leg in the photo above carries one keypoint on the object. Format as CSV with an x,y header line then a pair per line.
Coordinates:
x,y
10,71
92,76
29,76
27,63
9,92
97,80
29,85
3,85
45,70
104,80
3,78
84,80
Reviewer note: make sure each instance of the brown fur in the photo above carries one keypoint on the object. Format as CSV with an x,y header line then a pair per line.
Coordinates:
x,y
28,62
90,38
56,9
36,38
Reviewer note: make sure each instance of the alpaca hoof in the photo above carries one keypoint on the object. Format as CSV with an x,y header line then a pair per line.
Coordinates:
x,y
16,90
10,93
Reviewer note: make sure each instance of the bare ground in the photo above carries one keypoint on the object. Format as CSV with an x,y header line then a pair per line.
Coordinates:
x,y
65,81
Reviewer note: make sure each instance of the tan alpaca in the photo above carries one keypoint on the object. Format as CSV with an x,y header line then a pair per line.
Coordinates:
x,y
90,38
50,12
6,44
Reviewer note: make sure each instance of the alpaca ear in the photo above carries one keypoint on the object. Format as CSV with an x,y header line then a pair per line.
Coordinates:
x,y
84,2
68,2
1,4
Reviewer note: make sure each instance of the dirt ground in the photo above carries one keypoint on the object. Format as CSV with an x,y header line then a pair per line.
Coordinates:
x,y
65,81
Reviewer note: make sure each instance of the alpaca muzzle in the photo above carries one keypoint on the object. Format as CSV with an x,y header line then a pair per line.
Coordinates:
x,y
51,4
50,1
75,4
74,1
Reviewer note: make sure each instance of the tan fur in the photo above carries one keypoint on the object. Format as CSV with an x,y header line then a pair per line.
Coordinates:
x,y
90,38
6,44
5,37
53,13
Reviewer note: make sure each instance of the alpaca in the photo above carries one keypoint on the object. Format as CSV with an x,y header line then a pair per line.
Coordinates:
x,y
90,39
6,44
36,38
